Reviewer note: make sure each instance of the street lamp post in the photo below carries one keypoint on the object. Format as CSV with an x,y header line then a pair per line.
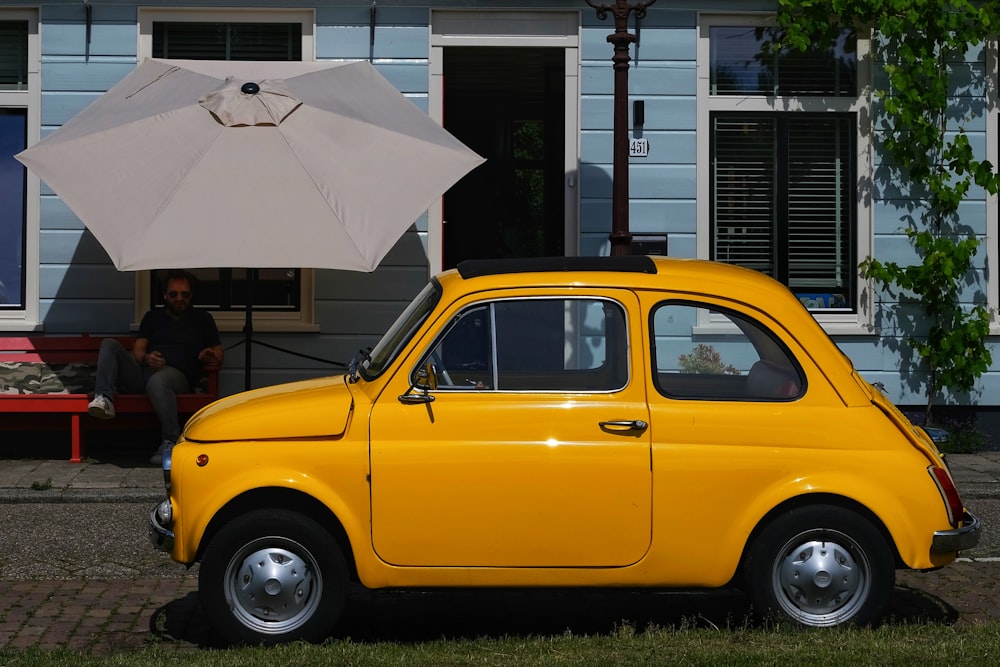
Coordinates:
x,y
621,238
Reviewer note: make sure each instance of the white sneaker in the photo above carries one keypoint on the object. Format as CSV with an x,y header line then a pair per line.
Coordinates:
x,y
101,407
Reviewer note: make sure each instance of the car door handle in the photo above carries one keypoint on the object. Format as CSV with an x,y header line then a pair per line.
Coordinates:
x,y
625,424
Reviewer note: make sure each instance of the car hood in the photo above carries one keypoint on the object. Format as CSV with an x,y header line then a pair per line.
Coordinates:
x,y
305,409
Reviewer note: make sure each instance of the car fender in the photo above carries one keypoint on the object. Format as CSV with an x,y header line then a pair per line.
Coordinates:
x,y
908,519
344,495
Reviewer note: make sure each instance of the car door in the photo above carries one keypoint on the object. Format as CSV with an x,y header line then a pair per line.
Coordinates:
x,y
529,449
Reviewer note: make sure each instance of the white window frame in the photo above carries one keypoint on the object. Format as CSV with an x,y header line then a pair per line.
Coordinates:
x,y
992,63
305,318
27,319
860,322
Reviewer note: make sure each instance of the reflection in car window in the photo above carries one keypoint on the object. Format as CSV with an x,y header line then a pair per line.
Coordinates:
x,y
402,330
743,362
532,345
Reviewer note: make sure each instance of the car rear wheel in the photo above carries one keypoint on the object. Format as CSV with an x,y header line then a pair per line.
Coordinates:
x,y
821,566
273,576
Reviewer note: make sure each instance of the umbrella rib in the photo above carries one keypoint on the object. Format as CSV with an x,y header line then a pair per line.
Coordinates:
x,y
150,83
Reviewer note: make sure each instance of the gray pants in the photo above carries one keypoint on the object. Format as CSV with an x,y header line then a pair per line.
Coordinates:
x,y
119,372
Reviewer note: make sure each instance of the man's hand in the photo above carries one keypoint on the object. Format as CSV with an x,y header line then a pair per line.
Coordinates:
x,y
208,356
155,360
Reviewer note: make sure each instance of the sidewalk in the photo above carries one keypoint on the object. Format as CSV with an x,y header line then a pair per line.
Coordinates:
x,y
130,478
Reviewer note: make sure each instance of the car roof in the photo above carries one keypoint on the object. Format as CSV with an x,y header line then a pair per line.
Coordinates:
x,y
474,268
685,274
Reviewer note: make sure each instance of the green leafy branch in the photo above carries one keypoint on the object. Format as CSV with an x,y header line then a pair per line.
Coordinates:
x,y
917,42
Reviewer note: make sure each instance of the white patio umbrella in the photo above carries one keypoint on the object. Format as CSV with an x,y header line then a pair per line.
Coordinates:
x,y
191,164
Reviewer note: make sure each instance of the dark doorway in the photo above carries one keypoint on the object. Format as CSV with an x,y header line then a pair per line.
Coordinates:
x,y
508,105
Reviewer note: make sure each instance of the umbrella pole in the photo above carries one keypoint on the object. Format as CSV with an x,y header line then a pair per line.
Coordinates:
x,y
248,328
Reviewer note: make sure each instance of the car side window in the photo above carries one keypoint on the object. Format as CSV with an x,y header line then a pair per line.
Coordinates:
x,y
739,359
532,345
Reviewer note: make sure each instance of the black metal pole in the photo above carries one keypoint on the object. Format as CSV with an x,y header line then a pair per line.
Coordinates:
x,y
621,38
248,329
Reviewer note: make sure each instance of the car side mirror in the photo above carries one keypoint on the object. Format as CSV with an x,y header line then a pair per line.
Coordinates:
x,y
423,381
426,378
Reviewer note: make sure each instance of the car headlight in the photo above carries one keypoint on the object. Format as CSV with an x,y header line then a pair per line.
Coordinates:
x,y
165,513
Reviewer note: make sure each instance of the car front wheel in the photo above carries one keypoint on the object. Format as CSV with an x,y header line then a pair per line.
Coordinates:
x,y
821,566
271,577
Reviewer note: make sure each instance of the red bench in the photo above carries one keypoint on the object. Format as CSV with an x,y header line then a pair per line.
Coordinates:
x,y
53,375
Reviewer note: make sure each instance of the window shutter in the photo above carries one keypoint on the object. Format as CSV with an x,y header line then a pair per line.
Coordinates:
x,y
820,202
783,198
743,190
227,41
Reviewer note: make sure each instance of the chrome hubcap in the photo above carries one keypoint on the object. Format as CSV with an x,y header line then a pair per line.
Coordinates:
x,y
821,582
273,585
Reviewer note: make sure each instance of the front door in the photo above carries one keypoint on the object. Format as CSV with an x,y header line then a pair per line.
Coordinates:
x,y
534,451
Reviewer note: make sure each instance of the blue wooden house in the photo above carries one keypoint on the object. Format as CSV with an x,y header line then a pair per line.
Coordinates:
x,y
733,160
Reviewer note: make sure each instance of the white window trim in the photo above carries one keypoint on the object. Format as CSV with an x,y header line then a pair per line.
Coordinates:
x,y
992,207
305,318
860,322
30,99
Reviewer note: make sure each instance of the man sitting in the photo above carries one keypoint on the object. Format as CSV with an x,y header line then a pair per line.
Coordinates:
x,y
171,345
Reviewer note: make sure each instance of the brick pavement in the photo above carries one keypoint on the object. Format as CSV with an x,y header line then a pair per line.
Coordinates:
x,y
112,615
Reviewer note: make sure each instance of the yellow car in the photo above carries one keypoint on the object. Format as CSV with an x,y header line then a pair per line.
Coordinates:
x,y
610,422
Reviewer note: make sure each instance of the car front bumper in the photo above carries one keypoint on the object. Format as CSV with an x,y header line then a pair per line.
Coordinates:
x,y
958,539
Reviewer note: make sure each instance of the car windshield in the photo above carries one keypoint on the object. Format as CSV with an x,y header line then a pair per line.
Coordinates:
x,y
400,333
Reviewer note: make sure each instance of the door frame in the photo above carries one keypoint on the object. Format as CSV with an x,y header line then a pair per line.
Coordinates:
x,y
559,29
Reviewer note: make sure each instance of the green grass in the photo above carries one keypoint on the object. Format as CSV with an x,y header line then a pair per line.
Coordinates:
x,y
889,645
41,486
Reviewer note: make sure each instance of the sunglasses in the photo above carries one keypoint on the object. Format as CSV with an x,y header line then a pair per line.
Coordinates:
x,y
175,294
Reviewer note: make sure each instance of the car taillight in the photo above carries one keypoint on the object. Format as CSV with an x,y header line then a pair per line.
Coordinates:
x,y
956,510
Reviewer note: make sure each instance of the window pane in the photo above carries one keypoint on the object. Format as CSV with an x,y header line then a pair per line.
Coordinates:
x,y
227,41
13,55
224,288
533,345
783,200
13,135
741,64
748,364
820,208
743,186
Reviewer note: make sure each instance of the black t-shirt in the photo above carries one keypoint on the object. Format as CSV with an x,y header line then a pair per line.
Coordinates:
x,y
180,340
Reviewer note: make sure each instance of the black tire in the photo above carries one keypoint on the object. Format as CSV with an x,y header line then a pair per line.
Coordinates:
x,y
820,566
273,576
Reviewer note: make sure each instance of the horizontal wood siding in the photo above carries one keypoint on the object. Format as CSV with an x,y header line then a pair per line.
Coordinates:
x,y
82,293
662,186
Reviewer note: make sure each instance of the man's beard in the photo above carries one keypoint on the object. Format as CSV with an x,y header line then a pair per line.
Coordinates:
x,y
177,309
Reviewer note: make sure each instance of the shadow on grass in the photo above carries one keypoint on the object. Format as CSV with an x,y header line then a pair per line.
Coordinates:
x,y
420,616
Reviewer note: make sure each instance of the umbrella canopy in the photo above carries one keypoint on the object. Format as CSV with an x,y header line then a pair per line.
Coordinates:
x,y
189,164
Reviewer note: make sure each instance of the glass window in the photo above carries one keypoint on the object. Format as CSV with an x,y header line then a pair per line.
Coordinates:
x,y
782,160
13,55
225,289
400,333
742,63
748,364
13,176
533,345
227,41
784,200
